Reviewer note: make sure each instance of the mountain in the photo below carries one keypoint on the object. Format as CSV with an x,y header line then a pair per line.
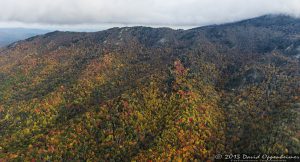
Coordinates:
x,y
141,93
10,35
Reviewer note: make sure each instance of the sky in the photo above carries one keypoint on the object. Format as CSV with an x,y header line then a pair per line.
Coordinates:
x,y
102,14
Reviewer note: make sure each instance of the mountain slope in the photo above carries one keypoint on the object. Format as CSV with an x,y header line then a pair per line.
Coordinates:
x,y
152,94
10,35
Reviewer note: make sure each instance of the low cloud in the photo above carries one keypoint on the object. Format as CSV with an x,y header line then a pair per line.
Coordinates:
x,y
140,12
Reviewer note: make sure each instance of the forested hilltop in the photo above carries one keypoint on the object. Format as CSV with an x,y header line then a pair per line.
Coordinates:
x,y
140,93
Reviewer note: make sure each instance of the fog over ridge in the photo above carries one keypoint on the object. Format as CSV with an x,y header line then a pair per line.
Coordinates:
x,y
139,12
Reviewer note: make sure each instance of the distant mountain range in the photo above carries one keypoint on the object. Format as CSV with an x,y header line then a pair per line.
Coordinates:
x,y
10,35
153,94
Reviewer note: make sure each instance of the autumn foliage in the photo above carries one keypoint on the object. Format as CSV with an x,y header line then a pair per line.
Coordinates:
x,y
124,95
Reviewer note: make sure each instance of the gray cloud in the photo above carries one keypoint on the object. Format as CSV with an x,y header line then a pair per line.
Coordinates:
x,y
140,12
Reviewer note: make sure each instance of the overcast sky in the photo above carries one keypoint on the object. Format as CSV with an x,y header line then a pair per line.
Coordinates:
x,y
96,14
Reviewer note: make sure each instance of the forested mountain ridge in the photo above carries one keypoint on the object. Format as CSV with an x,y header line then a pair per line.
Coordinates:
x,y
140,93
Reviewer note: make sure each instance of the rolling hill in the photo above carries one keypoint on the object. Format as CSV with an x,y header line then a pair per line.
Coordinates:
x,y
10,35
